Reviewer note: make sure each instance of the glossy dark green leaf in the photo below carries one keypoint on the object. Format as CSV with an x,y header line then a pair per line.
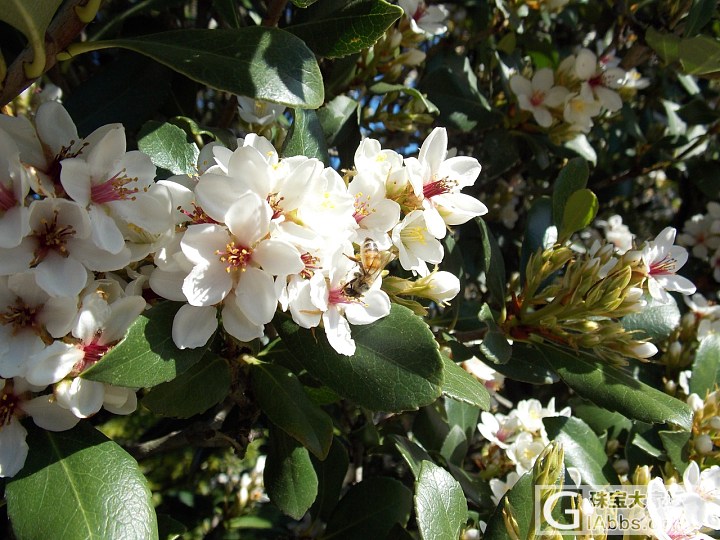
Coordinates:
x,y
706,368
656,320
256,61
700,55
354,27
676,448
700,14
583,450
521,498
580,211
396,367
412,453
455,446
667,46
79,484
147,355
179,398
167,146
610,387
539,220
306,137
462,414
526,365
281,397
599,419
370,509
493,264
331,473
129,90
290,479
228,10
573,177
440,506
336,117
459,385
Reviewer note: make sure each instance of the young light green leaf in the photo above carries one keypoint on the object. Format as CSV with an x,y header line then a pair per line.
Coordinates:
x,y
290,479
83,485
573,177
281,397
370,509
357,25
387,88
180,398
461,414
147,355
440,504
583,450
396,367
580,210
460,385
255,61
167,146
706,368
306,137
610,387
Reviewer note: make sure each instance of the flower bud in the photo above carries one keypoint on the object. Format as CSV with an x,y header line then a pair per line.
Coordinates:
x,y
440,287
703,444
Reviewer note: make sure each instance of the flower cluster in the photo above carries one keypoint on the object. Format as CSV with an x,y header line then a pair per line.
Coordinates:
x,y
515,440
581,308
256,231
567,99
701,234
73,211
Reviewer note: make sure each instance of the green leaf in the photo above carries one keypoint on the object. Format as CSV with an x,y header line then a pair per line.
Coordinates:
x,y
228,10
129,90
700,14
667,46
493,264
706,368
396,367
599,419
387,88
573,177
676,447
521,498
583,450
412,453
335,117
455,446
539,220
306,137
179,398
525,367
655,321
147,355
440,505
700,55
281,397
580,210
303,3
460,385
167,146
83,485
351,29
463,415
290,479
610,387
369,510
256,61
331,474
32,18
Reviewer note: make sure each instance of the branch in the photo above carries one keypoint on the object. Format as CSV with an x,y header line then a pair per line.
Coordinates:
x,y
62,31
274,13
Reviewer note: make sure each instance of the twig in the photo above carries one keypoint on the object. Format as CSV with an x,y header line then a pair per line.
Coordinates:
x,y
274,13
64,28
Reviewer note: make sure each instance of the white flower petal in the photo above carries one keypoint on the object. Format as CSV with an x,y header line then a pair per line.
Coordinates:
x,y
13,448
194,326
47,414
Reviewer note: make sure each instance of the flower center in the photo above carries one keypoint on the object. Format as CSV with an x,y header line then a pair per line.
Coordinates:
x,y
51,237
275,202
438,187
310,265
596,80
339,296
114,189
663,267
362,207
53,170
93,351
410,235
236,257
8,404
537,98
197,216
20,316
7,198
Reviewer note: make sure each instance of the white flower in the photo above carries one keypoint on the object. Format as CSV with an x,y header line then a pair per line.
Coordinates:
x,y
374,213
601,82
499,488
438,286
662,260
669,517
700,495
702,232
14,187
416,245
580,108
498,428
617,233
16,401
258,111
538,95
524,450
437,181
424,19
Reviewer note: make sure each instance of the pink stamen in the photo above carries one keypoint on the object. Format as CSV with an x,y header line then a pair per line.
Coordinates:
x,y
338,296
113,190
436,188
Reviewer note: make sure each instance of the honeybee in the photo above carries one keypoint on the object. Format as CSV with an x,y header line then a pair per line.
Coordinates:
x,y
371,264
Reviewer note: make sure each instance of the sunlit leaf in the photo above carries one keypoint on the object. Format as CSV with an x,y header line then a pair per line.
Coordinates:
x,y
440,504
